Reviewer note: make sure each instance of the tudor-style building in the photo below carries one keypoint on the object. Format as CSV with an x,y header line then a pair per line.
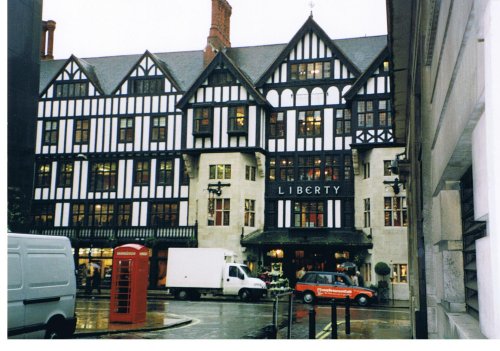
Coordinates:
x,y
260,150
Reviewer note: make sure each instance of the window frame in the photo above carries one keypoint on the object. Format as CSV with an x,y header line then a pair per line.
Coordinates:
x,y
307,124
142,175
159,132
67,89
234,127
367,212
50,133
165,176
65,177
163,214
126,133
249,213
401,211
309,70
81,135
214,171
304,210
134,82
106,210
43,174
221,214
107,179
45,210
277,126
198,120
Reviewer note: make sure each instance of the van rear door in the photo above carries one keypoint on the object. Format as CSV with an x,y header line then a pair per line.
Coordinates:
x,y
16,308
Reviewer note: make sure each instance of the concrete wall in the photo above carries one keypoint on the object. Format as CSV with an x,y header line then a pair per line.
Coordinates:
x,y
227,237
390,244
460,127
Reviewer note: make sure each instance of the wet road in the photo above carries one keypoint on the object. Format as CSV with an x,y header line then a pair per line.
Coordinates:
x,y
212,319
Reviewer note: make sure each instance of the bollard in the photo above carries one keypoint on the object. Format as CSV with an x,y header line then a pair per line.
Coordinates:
x,y
334,320
312,323
347,315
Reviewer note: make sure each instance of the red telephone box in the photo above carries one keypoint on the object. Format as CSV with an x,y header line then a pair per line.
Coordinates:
x,y
129,284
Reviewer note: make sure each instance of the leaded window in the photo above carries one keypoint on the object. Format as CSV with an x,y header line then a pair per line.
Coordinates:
x,y
159,128
101,214
238,119
124,215
65,176
308,214
164,214
141,172
309,168
219,211
43,175
50,132
126,131
82,129
249,220
43,215
146,86
277,125
103,176
202,121
395,211
309,124
165,172
219,172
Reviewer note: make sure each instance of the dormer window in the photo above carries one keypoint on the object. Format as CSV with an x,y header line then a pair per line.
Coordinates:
x,y
140,86
238,120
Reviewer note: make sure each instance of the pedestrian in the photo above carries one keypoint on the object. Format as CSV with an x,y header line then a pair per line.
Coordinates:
x,y
354,279
88,281
96,280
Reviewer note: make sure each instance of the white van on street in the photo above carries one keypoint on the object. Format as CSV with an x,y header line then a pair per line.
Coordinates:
x,y
41,287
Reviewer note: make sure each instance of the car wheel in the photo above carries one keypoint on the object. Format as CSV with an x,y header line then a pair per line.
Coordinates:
x,y
308,297
245,295
55,330
362,300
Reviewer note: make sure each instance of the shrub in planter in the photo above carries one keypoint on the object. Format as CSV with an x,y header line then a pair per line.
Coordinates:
x,y
382,268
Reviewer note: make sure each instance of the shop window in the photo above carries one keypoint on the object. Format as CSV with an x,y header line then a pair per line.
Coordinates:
x,y
399,273
395,211
308,214
218,212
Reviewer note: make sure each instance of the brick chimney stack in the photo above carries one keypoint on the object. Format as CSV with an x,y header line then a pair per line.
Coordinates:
x,y
47,49
218,38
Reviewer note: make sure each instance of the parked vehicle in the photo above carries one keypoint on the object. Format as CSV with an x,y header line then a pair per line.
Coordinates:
x,y
331,285
192,272
41,287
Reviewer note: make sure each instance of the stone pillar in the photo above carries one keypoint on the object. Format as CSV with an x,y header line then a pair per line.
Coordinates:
x,y
449,247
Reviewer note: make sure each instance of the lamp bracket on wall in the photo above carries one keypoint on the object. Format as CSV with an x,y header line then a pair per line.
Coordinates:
x,y
215,189
394,184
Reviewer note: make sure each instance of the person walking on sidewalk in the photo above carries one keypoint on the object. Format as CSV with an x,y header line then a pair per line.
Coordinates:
x,y
88,281
96,280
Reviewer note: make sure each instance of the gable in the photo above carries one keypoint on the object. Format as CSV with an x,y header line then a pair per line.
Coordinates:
x,y
310,51
149,71
76,78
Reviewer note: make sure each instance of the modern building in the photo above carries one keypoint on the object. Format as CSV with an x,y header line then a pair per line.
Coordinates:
x,y
270,151
24,28
447,80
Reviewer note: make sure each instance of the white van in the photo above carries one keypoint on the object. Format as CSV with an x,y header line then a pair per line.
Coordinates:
x,y
41,287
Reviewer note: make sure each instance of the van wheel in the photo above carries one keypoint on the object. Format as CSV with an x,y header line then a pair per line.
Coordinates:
x,y
245,295
182,295
362,300
55,330
308,297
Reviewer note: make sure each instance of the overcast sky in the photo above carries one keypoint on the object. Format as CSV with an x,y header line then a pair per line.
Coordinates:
x,y
92,28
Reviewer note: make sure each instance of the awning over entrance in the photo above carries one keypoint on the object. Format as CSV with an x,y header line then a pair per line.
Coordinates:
x,y
308,237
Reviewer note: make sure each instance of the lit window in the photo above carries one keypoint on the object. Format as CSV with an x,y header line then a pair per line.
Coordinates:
x,y
308,214
165,173
399,273
250,173
249,219
82,128
50,132
395,211
277,125
126,132
65,176
159,128
101,215
141,176
309,124
219,172
238,119
43,175
164,214
202,121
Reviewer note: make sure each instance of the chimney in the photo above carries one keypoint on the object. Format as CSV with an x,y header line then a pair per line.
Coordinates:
x,y
47,49
218,38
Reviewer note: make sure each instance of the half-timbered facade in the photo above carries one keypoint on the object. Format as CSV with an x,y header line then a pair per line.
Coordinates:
x,y
255,150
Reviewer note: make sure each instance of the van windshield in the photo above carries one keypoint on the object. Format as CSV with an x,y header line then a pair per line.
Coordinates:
x,y
247,271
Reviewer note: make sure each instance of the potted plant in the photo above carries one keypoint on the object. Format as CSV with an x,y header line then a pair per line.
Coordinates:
x,y
383,269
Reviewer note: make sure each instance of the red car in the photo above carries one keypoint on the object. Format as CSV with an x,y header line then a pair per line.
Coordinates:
x,y
331,285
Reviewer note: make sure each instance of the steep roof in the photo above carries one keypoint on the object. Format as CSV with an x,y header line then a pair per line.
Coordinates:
x,y
186,66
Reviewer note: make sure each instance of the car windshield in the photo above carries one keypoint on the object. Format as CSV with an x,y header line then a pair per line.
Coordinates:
x,y
247,271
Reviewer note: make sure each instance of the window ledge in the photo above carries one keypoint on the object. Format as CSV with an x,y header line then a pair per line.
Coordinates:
x,y
464,326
